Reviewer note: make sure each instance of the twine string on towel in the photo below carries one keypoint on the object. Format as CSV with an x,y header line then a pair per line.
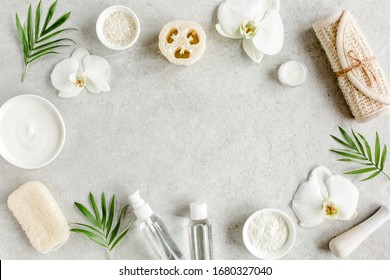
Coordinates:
x,y
359,63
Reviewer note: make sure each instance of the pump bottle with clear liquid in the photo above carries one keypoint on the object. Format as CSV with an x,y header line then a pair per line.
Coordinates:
x,y
154,230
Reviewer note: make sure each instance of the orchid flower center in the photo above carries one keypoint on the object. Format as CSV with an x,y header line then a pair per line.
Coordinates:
x,y
248,29
330,210
78,79
80,83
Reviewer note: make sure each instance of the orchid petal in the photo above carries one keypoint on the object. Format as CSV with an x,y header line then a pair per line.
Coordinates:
x,y
344,194
252,9
270,34
92,87
97,70
307,204
79,54
321,175
69,94
236,35
61,73
230,20
251,51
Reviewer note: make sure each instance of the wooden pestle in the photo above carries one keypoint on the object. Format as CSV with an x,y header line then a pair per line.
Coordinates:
x,y
344,244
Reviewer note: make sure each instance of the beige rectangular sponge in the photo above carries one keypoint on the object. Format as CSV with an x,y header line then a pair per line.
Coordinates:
x,y
40,216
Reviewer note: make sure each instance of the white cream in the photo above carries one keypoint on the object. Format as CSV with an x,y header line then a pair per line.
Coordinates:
x,y
292,73
32,131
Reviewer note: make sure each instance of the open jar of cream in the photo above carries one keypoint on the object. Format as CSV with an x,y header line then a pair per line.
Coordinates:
x,y
32,132
292,73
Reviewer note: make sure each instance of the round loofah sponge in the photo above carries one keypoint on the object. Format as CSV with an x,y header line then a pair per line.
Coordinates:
x,y
182,42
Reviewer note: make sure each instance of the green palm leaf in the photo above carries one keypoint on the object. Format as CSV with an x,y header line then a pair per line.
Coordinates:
x,y
110,215
348,138
31,35
118,224
368,148
99,229
94,206
104,210
121,236
372,176
377,149
359,151
384,156
363,170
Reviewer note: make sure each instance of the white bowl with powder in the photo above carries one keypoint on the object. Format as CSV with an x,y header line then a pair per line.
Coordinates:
x,y
269,234
118,27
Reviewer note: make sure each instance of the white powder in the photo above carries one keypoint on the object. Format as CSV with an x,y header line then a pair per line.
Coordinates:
x,y
119,28
268,232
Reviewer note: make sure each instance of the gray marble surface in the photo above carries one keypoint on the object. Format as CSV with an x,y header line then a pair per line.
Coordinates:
x,y
224,130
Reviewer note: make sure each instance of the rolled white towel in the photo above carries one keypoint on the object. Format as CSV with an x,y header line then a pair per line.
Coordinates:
x,y
40,216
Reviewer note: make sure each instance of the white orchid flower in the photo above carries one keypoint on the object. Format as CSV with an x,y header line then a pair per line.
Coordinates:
x,y
325,196
257,22
71,75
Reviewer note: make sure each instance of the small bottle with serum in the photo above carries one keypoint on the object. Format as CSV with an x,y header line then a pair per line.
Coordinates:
x,y
199,230
292,73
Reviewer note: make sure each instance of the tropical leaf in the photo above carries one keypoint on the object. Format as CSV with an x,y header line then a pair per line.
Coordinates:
x,y
99,229
54,34
95,238
121,236
363,170
118,224
377,150
57,23
359,151
341,142
49,15
94,207
31,34
372,175
37,21
384,156
87,214
110,215
347,137
349,154
359,144
368,148
104,210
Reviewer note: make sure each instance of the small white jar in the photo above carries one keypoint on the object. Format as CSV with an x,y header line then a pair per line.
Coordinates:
x,y
292,73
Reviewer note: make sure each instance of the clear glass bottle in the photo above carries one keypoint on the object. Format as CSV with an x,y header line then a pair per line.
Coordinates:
x,y
154,230
200,233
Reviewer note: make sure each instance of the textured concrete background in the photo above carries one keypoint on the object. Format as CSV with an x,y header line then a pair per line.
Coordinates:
x,y
222,131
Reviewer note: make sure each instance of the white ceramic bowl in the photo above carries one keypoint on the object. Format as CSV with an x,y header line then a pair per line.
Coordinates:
x,y
100,21
49,111
266,255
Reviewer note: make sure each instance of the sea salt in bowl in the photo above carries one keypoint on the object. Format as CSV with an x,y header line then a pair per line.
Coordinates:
x,y
269,234
118,27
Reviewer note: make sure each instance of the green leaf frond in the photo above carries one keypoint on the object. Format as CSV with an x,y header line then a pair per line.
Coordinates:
x,y
99,228
33,36
356,149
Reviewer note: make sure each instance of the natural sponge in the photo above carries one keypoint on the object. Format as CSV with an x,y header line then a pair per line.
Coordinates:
x,y
182,42
40,216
